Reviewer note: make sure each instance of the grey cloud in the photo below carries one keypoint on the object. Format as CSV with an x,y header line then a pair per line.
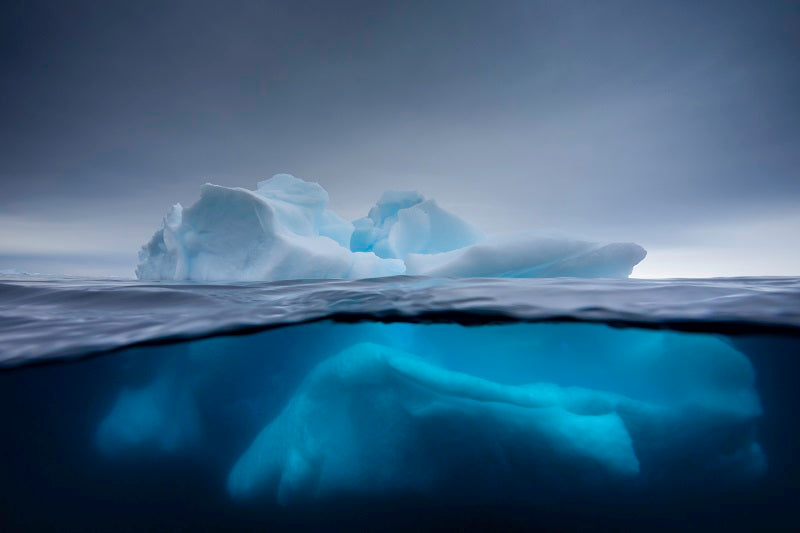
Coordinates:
x,y
624,118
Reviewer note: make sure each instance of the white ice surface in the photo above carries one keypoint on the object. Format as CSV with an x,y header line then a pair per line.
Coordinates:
x,y
284,230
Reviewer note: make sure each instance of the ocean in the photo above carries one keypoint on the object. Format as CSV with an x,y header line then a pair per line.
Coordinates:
x,y
399,403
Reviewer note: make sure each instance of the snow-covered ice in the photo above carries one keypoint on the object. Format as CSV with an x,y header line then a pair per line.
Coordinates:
x,y
284,230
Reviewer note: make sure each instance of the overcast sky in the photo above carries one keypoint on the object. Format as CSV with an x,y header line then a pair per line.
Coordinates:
x,y
674,124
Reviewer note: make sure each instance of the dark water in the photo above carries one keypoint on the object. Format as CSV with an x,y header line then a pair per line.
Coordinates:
x,y
400,403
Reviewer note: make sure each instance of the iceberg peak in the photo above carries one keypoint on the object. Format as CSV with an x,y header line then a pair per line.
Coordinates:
x,y
404,222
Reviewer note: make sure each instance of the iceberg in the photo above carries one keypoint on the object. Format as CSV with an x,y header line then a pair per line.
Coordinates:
x,y
376,420
403,223
284,230
493,413
162,415
528,256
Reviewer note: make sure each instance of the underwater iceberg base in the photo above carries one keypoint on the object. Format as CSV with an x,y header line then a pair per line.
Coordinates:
x,y
374,419
523,413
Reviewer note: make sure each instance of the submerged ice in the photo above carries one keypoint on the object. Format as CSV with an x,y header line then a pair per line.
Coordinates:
x,y
495,412
374,419
284,230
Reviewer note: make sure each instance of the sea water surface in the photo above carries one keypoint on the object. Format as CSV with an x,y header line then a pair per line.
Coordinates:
x,y
399,403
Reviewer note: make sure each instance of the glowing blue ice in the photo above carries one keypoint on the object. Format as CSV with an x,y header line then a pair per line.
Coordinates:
x,y
161,415
380,421
374,419
487,412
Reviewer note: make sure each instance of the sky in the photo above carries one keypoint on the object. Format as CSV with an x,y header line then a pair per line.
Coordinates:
x,y
675,124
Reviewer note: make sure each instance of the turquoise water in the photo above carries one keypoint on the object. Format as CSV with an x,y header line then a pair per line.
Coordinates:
x,y
461,409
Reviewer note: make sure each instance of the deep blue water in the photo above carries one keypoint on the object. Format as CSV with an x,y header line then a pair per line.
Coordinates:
x,y
400,403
